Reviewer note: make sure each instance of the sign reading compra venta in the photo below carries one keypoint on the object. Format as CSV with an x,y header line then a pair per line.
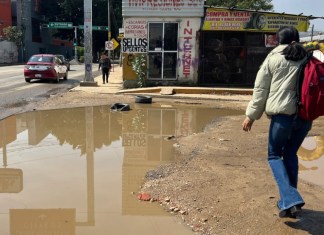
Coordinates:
x,y
221,19
178,8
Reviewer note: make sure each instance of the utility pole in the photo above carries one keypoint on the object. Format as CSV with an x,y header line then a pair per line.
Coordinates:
x,y
88,79
21,25
75,43
109,26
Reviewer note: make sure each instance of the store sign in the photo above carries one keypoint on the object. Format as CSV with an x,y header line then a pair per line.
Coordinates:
x,y
222,19
178,8
134,45
135,28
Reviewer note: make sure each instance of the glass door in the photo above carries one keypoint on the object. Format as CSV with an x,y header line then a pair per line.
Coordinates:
x,y
163,51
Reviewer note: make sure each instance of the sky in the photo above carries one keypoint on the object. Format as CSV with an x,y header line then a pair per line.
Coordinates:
x,y
313,7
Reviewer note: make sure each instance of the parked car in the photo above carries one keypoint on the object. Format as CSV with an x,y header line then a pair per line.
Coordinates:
x,y
45,66
65,61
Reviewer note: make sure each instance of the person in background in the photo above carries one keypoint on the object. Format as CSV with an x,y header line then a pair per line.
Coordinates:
x,y
105,65
275,94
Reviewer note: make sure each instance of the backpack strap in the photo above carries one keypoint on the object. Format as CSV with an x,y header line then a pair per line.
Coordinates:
x,y
300,78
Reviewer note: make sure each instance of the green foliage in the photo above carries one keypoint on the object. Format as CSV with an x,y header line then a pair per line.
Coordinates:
x,y
264,5
13,34
80,53
140,68
81,59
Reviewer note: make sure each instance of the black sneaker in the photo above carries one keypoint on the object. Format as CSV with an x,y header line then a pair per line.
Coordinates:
x,y
293,212
285,213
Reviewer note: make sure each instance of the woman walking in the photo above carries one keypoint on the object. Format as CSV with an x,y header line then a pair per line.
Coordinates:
x,y
105,65
275,94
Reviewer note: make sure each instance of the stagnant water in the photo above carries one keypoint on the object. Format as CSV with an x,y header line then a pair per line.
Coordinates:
x,y
311,160
77,171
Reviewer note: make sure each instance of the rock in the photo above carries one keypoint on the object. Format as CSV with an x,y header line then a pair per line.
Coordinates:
x,y
144,197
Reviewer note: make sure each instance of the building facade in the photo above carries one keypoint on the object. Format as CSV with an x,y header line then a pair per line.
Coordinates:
x,y
234,43
186,43
166,32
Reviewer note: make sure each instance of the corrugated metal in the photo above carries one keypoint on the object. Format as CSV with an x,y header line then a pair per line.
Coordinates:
x,y
177,8
314,38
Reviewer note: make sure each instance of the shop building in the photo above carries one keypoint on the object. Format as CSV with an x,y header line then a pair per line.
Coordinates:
x,y
166,32
234,43
186,43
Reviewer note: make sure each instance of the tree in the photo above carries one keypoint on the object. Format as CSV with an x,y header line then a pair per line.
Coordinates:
x,y
13,34
264,5
72,11
64,11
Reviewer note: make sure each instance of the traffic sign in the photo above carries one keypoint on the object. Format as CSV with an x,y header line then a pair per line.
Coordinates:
x,y
116,44
121,36
103,28
60,25
109,45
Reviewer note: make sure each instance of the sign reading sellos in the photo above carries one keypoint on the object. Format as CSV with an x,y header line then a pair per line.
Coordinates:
x,y
222,19
134,45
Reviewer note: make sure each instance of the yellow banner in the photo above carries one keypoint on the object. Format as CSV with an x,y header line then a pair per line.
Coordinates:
x,y
228,20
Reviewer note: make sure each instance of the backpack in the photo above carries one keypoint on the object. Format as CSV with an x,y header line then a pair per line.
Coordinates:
x,y
310,89
105,63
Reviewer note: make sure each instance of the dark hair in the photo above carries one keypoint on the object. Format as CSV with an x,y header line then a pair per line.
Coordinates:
x,y
290,35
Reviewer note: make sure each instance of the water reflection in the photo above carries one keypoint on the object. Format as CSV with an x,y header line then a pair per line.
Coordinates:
x,y
73,171
311,160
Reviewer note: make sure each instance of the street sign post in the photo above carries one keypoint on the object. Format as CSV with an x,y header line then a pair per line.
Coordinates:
x,y
60,25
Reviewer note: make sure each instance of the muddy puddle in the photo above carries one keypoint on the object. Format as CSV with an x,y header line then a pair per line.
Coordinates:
x,y
77,171
311,160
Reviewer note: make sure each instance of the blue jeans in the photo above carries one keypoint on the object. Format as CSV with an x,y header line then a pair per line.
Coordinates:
x,y
286,134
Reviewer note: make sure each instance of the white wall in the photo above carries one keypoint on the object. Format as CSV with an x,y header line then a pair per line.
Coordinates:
x,y
8,52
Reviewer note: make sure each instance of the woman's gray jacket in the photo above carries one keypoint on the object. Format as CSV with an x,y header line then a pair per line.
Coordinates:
x,y
275,86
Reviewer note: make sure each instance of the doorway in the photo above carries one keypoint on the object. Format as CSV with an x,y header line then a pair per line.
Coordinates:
x,y
163,51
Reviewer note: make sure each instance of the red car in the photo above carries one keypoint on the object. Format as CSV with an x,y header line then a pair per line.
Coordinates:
x,y
45,66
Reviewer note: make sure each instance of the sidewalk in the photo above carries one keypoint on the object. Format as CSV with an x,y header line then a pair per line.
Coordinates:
x,y
115,86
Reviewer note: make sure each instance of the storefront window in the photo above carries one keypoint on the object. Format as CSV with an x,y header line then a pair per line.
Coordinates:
x,y
231,58
155,65
163,50
255,39
170,41
155,36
